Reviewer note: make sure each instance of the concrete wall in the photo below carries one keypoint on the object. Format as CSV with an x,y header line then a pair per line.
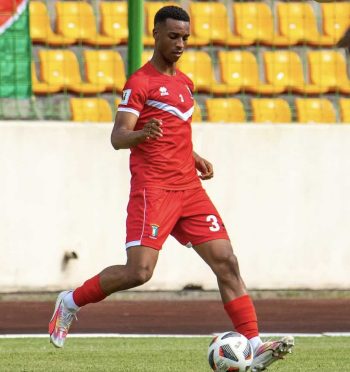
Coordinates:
x,y
283,191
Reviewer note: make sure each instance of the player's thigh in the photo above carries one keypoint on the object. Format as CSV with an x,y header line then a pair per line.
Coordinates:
x,y
152,214
142,258
200,221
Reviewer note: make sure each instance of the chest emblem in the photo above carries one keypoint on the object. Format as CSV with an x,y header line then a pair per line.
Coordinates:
x,y
163,91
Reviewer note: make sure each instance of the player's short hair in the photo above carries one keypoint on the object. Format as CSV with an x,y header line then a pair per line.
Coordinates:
x,y
173,12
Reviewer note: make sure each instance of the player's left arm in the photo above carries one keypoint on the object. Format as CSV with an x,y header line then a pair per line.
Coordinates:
x,y
204,167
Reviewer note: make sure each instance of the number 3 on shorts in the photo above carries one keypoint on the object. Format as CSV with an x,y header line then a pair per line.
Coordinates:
x,y
214,223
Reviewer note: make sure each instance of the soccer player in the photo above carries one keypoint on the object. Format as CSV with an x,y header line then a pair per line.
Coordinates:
x,y
166,197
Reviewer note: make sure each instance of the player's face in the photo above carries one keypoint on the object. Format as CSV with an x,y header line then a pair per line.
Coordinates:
x,y
171,38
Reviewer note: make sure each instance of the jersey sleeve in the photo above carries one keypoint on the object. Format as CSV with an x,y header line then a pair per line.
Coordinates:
x,y
134,95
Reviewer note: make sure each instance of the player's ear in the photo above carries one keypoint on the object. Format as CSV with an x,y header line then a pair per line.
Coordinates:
x,y
155,32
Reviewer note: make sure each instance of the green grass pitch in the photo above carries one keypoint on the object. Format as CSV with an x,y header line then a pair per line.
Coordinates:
x,y
157,354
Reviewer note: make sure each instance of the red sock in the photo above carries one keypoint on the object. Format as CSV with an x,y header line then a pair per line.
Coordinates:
x,y
89,292
242,314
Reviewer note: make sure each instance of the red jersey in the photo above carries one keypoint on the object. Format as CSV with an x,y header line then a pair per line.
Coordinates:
x,y
166,162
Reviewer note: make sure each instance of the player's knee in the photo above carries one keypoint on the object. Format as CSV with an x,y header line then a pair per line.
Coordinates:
x,y
140,275
227,268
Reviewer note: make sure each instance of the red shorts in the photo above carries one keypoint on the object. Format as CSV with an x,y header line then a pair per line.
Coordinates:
x,y
188,215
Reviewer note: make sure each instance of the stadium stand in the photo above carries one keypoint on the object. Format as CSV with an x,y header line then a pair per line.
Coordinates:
x,y
76,19
61,67
335,19
114,20
224,110
266,110
315,110
285,69
105,68
328,69
240,69
209,22
41,87
344,104
198,66
40,27
251,51
90,110
297,22
255,24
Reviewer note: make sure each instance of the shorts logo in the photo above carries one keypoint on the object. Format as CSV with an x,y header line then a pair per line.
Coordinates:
x,y
155,229
125,96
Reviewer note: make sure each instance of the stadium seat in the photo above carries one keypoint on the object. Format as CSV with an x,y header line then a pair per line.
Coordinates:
x,y
327,68
41,87
105,68
297,22
336,19
225,110
198,66
40,28
284,69
197,113
114,19
315,110
240,69
254,22
61,67
90,110
146,56
209,21
267,110
76,19
344,105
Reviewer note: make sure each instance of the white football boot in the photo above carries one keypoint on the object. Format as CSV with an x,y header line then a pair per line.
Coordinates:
x,y
271,351
61,321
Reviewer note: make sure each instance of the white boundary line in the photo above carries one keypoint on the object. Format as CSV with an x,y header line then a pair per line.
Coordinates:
x,y
120,335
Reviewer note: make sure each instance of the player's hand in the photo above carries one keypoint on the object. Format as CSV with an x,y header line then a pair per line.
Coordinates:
x,y
153,129
344,41
204,167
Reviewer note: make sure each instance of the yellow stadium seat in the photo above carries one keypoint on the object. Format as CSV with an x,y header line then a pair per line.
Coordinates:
x,y
60,67
240,69
76,19
197,113
336,19
90,110
267,110
146,56
297,22
225,110
328,69
114,22
105,68
41,87
284,69
40,27
315,110
344,105
254,21
198,66
209,20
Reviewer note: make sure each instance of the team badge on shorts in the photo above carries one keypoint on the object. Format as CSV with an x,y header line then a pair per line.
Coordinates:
x,y
155,229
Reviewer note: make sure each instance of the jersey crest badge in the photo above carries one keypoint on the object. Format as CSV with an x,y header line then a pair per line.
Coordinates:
x,y
163,91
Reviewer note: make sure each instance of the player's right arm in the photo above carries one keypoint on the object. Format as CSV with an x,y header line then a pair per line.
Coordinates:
x,y
124,136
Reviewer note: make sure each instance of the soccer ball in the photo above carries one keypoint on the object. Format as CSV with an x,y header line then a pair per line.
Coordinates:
x,y
230,351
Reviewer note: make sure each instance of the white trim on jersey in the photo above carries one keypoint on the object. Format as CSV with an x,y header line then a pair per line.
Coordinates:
x,y
134,243
171,109
128,109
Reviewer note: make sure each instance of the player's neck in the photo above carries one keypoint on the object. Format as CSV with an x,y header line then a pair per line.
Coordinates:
x,y
162,66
